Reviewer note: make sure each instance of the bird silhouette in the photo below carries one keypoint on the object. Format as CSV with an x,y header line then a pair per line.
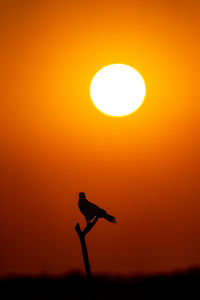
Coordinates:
x,y
90,210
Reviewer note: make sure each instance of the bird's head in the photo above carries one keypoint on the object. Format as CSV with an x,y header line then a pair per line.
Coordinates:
x,y
82,195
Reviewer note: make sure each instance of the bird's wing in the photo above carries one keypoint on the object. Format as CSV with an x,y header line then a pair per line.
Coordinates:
x,y
93,208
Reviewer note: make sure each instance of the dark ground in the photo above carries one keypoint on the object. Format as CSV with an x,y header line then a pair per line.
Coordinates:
x,y
178,285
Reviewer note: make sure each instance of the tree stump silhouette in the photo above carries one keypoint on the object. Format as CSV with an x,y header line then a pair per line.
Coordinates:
x,y
82,235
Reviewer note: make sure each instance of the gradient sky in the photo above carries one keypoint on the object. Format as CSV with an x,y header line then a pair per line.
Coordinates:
x,y
143,168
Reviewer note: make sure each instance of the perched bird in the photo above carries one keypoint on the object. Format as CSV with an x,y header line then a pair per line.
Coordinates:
x,y
90,210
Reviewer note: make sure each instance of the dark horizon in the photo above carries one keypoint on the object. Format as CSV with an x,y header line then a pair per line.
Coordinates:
x,y
75,286
81,272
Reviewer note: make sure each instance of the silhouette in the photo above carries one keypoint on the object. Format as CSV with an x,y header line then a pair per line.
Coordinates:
x,y
183,284
92,213
90,210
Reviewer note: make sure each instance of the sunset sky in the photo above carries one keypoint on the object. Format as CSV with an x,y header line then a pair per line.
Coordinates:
x,y
142,168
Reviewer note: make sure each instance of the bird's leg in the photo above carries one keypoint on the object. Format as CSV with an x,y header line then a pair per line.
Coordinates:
x,y
90,225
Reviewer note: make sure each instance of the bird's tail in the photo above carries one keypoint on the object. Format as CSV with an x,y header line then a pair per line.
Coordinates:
x,y
110,218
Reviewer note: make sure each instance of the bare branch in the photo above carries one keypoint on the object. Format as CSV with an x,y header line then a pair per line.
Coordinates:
x,y
90,226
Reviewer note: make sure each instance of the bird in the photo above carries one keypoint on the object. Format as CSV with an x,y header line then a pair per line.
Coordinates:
x,y
90,210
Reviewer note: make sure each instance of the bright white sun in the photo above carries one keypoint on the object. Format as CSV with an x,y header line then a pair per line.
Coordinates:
x,y
117,90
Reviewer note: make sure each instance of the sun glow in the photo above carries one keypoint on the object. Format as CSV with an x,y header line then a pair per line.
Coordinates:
x,y
117,90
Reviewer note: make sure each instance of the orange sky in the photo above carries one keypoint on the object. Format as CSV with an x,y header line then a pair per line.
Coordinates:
x,y
142,168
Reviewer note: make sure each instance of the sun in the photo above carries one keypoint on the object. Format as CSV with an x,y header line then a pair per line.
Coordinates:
x,y
117,90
